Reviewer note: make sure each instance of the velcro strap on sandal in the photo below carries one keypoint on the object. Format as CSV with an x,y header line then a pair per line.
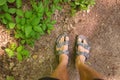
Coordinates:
x,y
86,46
84,54
64,51
62,44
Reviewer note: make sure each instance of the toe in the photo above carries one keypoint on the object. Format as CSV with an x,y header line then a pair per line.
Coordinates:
x,y
85,41
66,38
61,39
79,40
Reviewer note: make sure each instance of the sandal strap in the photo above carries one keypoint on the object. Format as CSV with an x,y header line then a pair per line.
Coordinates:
x,y
86,46
59,45
87,55
63,51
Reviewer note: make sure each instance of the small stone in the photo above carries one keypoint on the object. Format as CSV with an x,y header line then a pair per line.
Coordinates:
x,y
108,67
11,65
48,39
40,61
103,24
35,56
88,11
1,52
14,69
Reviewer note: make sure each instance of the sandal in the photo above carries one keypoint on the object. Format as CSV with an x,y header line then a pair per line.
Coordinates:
x,y
60,44
84,45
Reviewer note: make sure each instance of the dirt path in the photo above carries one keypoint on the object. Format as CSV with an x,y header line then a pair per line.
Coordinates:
x,y
101,26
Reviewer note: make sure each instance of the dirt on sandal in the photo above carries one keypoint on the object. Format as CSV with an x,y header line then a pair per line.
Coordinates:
x,y
102,27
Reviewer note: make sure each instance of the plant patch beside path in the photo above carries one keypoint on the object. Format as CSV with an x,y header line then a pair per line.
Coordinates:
x,y
30,24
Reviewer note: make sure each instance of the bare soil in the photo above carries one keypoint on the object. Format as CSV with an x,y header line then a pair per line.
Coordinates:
x,y
102,27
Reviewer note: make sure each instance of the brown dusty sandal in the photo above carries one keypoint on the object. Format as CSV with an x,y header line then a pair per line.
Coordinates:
x,y
86,46
59,45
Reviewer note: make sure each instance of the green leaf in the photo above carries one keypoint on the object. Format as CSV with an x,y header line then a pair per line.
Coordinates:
x,y
34,6
9,52
20,48
35,21
38,29
19,12
91,2
33,34
53,22
28,30
44,27
30,42
18,26
48,14
11,1
19,3
11,25
2,2
56,1
22,41
5,7
23,21
58,7
19,57
48,31
46,2
40,9
23,28
13,46
8,17
50,27
1,15
20,34
12,10
83,7
17,19
17,36
77,3
25,53
9,78
4,21
28,14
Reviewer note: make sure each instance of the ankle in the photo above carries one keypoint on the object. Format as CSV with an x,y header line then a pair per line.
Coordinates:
x,y
80,59
63,59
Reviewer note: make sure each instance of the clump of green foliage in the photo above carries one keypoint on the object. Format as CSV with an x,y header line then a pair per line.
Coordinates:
x,y
28,25
9,78
77,5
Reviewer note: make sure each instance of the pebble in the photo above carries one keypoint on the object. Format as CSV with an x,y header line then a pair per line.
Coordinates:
x,y
11,65
108,67
34,56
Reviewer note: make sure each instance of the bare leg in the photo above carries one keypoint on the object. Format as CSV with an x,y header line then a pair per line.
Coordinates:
x,y
86,73
61,70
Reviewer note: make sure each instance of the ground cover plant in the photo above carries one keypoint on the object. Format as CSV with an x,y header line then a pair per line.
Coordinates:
x,y
29,24
77,5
